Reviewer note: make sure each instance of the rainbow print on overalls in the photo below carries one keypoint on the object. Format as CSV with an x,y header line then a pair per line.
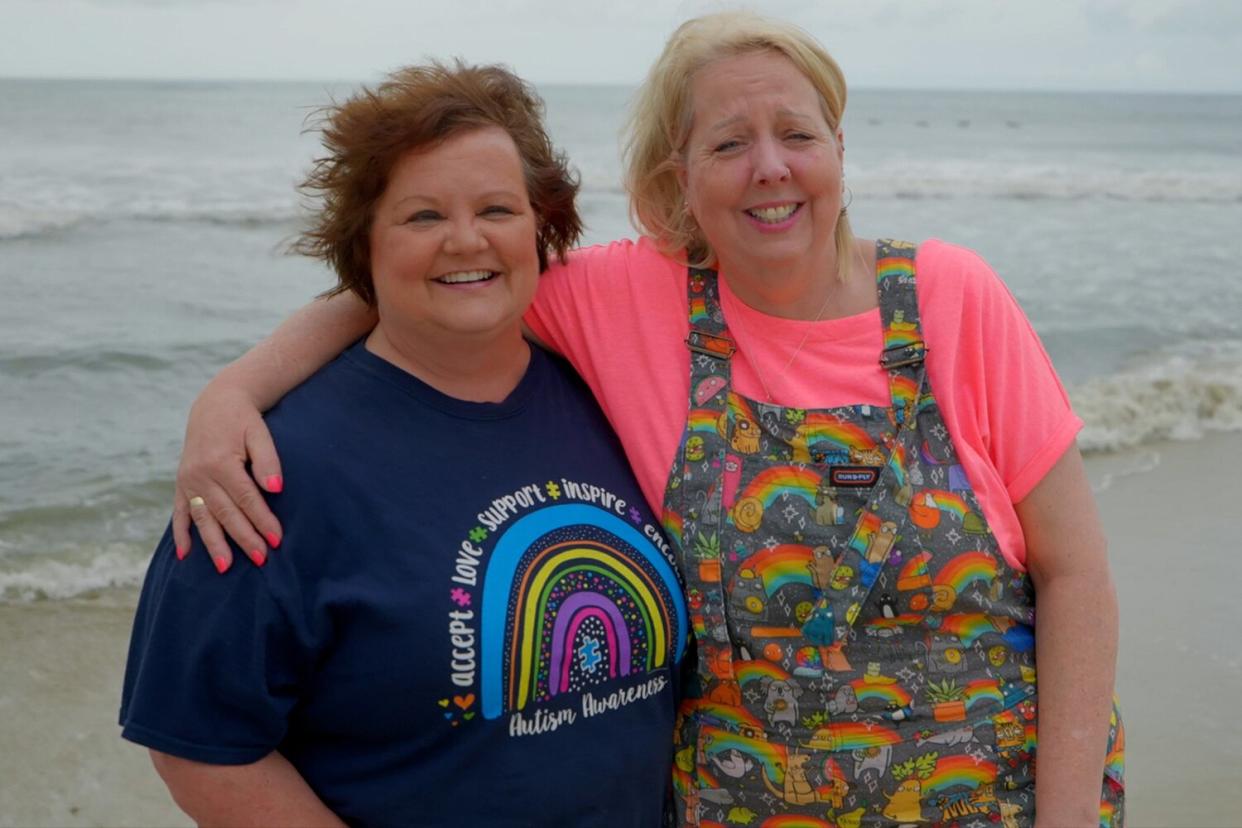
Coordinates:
x,y
865,655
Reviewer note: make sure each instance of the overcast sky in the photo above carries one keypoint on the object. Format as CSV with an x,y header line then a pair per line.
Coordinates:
x,y
1139,45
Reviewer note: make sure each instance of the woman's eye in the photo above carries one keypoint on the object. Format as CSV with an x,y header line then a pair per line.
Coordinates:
x,y
800,136
726,146
497,210
424,216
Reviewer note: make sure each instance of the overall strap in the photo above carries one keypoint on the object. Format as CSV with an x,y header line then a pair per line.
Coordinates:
x,y
709,337
853,578
701,497
904,348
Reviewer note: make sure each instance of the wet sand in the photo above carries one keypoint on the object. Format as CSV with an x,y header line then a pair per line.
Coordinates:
x,y
1174,544
1170,511
62,761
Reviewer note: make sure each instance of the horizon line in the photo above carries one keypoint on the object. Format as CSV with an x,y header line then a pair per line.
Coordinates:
x,y
630,85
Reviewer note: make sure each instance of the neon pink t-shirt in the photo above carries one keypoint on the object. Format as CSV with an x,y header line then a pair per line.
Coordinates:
x,y
619,313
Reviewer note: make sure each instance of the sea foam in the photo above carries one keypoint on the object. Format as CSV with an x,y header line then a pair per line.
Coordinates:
x,y
115,565
1179,395
17,222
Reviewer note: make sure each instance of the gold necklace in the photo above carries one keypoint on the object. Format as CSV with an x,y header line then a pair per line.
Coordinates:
x,y
754,363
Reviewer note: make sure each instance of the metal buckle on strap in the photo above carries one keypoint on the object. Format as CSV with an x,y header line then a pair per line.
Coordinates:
x,y
903,355
717,347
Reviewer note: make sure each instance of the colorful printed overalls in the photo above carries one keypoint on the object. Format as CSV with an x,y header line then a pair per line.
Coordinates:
x,y
865,656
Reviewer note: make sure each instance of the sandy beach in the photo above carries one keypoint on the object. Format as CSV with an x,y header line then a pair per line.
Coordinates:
x,y
1173,544
1169,509
62,760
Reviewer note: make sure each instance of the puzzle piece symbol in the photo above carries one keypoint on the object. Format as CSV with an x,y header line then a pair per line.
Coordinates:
x,y
554,491
478,534
460,597
588,655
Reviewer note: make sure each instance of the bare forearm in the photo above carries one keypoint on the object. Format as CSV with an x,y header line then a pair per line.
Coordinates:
x,y
269,792
1075,642
303,343
1076,647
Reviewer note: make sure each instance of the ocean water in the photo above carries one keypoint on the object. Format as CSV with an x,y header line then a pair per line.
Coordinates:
x,y
141,227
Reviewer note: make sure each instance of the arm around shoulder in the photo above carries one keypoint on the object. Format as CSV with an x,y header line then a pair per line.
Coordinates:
x,y
226,430
304,343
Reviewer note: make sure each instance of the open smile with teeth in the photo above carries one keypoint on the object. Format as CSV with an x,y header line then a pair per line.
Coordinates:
x,y
466,277
773,215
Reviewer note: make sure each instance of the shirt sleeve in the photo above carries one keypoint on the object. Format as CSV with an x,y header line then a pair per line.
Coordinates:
x,y
215,662
618,313
572,294
1009,402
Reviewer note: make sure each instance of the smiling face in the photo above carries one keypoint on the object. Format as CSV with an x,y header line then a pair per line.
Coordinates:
x,y
762,166
453,249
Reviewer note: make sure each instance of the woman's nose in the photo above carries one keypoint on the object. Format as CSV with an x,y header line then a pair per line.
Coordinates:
x,y
464,237
770,166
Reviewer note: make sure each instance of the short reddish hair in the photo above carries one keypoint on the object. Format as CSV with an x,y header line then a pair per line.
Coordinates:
x,y
421,106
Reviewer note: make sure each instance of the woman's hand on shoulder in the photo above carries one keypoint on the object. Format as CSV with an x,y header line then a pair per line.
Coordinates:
x,y
215,489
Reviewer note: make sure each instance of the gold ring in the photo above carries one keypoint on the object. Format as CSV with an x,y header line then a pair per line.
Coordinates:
x,y
197,502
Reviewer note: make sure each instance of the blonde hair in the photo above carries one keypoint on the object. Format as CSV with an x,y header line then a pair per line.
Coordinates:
x,y
661,117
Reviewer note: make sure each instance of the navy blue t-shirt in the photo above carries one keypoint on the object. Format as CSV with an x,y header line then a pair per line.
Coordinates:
x,y
472,618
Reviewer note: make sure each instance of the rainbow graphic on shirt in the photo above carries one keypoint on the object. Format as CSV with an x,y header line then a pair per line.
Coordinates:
x,y
903,390
925,453
780,566
913,573
747,671
945,501
698,624
891,695
702,419
966,569
705,778
955,771
698,310
573,596
773,482
970,626
674,526
893,266
739,407
983,691
897,463
819,429
1115,762
868,525
770,756
899,338
732,717
795,821
1030,737
852,736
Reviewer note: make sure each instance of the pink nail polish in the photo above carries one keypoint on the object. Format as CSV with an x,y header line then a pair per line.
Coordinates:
x,y
258,556
181,553
275,483
273,539
221,564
